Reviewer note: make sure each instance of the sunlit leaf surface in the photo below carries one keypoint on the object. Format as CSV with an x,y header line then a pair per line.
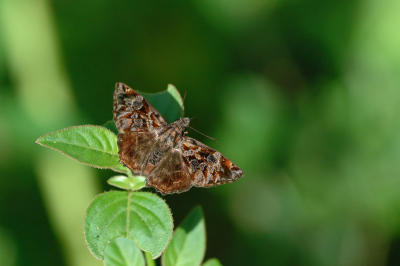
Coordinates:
x,y
91,145
127,183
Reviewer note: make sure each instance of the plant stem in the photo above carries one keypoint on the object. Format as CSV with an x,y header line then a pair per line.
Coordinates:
x,y
149,259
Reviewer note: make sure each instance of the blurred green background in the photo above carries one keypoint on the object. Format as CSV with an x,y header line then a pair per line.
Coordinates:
x,y
303,95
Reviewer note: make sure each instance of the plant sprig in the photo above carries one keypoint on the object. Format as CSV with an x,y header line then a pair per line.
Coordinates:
x,y
130,227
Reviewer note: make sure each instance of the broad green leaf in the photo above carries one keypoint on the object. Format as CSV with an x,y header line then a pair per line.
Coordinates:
x,y
127,183
169,103
123,252
212,262
188,244
91,145
140,216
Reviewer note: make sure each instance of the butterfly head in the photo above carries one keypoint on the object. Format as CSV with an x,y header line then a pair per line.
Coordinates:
x,y
181,124
184,121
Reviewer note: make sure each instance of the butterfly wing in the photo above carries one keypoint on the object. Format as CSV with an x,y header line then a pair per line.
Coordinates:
x,y
168,169
138,124
193,164
206,166
171,174
133,113
134,148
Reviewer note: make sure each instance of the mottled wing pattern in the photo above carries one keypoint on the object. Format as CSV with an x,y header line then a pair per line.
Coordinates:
x,y
206,166
171,175
133,113
171,161
134,148
138,123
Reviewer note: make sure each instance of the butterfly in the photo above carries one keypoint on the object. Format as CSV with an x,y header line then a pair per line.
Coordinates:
x,y
171,161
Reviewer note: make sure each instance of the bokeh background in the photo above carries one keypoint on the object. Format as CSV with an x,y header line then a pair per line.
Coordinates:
x,y
303,95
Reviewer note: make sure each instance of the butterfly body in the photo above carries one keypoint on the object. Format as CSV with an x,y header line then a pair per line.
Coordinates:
x,y
171,161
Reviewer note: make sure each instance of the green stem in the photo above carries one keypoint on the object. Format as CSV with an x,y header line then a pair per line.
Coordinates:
x,y
149,259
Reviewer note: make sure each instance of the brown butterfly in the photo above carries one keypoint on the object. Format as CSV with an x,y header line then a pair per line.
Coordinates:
x,y
171,161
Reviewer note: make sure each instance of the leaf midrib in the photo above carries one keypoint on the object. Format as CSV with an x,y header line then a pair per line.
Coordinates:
x,y
81,146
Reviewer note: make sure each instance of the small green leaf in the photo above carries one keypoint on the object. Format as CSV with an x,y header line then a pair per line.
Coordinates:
x,y
90,145
188,245
169,103
128,183
121,169
212,262
123,252
140,216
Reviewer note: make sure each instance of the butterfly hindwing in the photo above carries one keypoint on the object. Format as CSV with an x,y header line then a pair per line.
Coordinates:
x,y
171,175
207,167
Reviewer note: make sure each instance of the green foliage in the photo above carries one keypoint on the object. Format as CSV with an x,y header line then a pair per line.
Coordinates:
x,y
140,216
188,245
121,224
315,130
122,169
127,182
123,252
149,259
110,125
91,145
212,262
169,102
8,249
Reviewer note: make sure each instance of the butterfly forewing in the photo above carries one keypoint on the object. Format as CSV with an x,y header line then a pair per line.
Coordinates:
x,y
171,161
133,113
134,147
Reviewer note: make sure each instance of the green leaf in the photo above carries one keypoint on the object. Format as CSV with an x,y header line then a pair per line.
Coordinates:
x,y
140,216
128,183
90,145
123,252
212,262
188,245
169,103
122,169
110,125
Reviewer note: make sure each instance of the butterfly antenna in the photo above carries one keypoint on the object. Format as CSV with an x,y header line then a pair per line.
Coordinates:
x,y
201,133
